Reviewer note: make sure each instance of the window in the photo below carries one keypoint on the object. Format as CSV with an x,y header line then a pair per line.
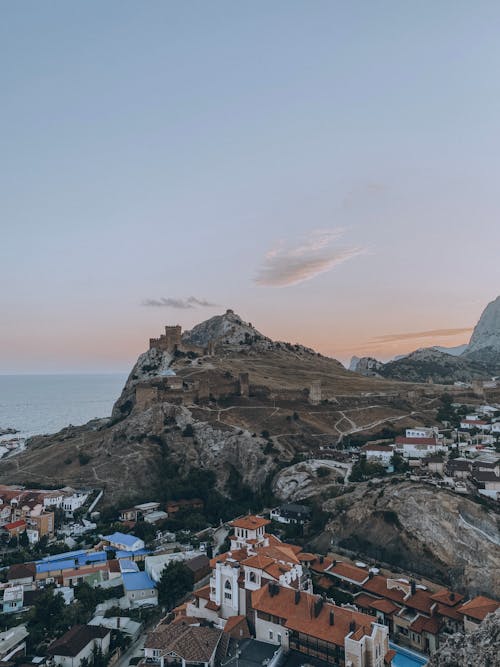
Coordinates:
x,y
271,634
252,577
279,638
227,596
227,585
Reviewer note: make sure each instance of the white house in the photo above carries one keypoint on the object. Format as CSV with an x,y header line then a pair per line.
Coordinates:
x,y
378,453
417,448
78,643
421,432
472,421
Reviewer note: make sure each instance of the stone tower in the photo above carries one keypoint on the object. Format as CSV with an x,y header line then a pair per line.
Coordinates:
x,y
244,384
169,341
315,392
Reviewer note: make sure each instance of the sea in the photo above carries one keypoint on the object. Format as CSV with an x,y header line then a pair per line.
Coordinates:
x,y
43,404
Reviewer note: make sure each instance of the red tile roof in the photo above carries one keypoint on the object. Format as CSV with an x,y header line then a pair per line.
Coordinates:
x,y
300,617
479,607
430,625
447,597
348,571
250,522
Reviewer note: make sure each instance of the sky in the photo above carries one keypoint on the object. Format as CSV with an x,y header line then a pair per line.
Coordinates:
x,y
327,169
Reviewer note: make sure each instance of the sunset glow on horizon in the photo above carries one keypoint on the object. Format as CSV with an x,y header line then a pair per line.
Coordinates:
x,y
328,173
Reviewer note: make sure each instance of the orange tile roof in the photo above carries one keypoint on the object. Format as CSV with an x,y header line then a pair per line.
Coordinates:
x,y
386,606
388,657
283,552
449,612
421,624
378,585
203,593
300,617
250,522
305,557
421,601
364,600
447,597
212,606
316,566
479,607
260,561
348,571
233,621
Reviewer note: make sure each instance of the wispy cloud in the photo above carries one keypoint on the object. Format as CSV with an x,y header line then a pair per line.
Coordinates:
x,y
432,333
291,264
180,304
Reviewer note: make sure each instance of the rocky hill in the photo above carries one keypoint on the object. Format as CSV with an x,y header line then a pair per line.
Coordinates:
x,y
423,529
480,648
255,433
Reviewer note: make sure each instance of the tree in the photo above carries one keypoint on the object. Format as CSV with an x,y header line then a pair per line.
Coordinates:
x,y
24,540
176,580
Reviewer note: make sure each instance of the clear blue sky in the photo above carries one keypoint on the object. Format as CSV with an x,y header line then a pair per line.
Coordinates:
x,y
327,169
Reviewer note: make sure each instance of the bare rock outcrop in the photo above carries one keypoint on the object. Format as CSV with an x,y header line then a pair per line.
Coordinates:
x,y
480,648
423,528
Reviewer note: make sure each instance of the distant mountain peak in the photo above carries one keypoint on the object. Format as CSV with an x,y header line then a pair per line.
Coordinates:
x,y
486,333
228,328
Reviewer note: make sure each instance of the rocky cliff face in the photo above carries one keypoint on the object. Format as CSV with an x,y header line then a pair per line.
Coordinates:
x,y
424,529
367,366
486,333
484,346
480,648
150,364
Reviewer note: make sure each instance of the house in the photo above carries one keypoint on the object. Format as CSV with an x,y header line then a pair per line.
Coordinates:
x,y
139,589
458,468
22,573
199,566
474,611
122,623
305,623
78,643
255,559
128,515
473,422
43,523
73,567
416,448
346,576
182,643
421,432
15,528
488,483
434,464
378,453
123,542
13,599
154,565
155,517
146,508
13,642
291,513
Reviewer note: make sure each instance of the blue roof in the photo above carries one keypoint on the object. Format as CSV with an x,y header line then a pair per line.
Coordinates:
x,y
122,538
68,564
97,557
64,556
128,565
137,581
131,554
